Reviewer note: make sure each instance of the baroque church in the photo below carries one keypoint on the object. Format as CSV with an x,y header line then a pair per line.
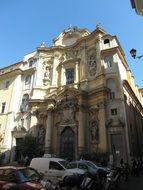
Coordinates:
x,y
77,96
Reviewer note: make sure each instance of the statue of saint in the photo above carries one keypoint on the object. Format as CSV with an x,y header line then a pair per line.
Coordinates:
x,y
94,131
41,135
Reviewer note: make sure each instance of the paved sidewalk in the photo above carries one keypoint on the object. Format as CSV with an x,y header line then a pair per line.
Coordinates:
x,y
134,183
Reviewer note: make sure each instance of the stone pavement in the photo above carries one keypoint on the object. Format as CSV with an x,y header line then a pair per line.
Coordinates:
x,y
134,183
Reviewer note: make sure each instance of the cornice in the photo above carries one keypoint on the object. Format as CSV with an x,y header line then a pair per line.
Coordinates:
x,y
77,43
132,93
29,71
13,66
118,50
11,73
72,60
98,90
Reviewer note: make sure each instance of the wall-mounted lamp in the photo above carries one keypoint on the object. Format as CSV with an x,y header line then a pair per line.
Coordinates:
x,y
133,53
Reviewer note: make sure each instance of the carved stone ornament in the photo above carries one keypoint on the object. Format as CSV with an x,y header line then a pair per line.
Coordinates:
x,y
41,135
92,65
67,112
47,71
41,116
71,54
94,126
19,128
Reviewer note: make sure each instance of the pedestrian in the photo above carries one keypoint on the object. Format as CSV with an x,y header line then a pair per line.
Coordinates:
x,y
121,162
135,167
26,160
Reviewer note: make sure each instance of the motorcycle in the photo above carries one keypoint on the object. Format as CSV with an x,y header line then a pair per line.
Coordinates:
x,y
113,178
72,182
91,181
125,172
50,185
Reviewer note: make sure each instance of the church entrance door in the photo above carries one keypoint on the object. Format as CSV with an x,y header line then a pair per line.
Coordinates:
x,y
67,144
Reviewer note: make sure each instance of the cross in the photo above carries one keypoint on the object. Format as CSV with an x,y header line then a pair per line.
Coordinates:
x,y
98,24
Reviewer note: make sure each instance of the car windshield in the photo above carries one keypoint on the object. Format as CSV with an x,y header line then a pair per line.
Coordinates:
x,y
66,164
28,174
92,165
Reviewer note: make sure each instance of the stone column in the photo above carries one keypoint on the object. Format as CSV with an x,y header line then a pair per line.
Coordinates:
x,y
81,140
48,132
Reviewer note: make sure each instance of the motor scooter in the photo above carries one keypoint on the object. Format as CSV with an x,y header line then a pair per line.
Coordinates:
x,y
113,178
91,181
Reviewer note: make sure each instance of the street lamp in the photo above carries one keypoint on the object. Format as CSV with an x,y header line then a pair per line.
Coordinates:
x,y
133,53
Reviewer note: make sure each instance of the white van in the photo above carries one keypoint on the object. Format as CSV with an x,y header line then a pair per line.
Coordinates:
x,y
54,168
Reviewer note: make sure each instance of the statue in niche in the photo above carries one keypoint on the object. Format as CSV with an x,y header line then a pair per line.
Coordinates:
x,y
92,65
94,131
47,73
94,124
47,70
41,135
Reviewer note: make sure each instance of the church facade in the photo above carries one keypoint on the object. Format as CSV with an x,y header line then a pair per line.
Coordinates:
x,y
78,97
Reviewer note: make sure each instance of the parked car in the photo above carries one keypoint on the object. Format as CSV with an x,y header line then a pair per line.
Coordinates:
x,y
55,168
19,178
89,166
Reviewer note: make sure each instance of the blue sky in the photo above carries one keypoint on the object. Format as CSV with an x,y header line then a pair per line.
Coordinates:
x,y
24,24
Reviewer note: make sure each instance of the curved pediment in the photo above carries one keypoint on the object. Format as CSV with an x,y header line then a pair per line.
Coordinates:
x,y
70,36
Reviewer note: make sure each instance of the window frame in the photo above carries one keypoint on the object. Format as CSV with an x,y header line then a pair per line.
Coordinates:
x,y
71,79
3,105
28,80
51,167
108,61
114,111
7,84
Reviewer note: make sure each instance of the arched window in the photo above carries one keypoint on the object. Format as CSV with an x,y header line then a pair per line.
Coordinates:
x,y
112,86
107,42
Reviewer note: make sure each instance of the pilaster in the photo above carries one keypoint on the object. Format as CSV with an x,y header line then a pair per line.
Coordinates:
x,y
81,139
102,127
48,132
